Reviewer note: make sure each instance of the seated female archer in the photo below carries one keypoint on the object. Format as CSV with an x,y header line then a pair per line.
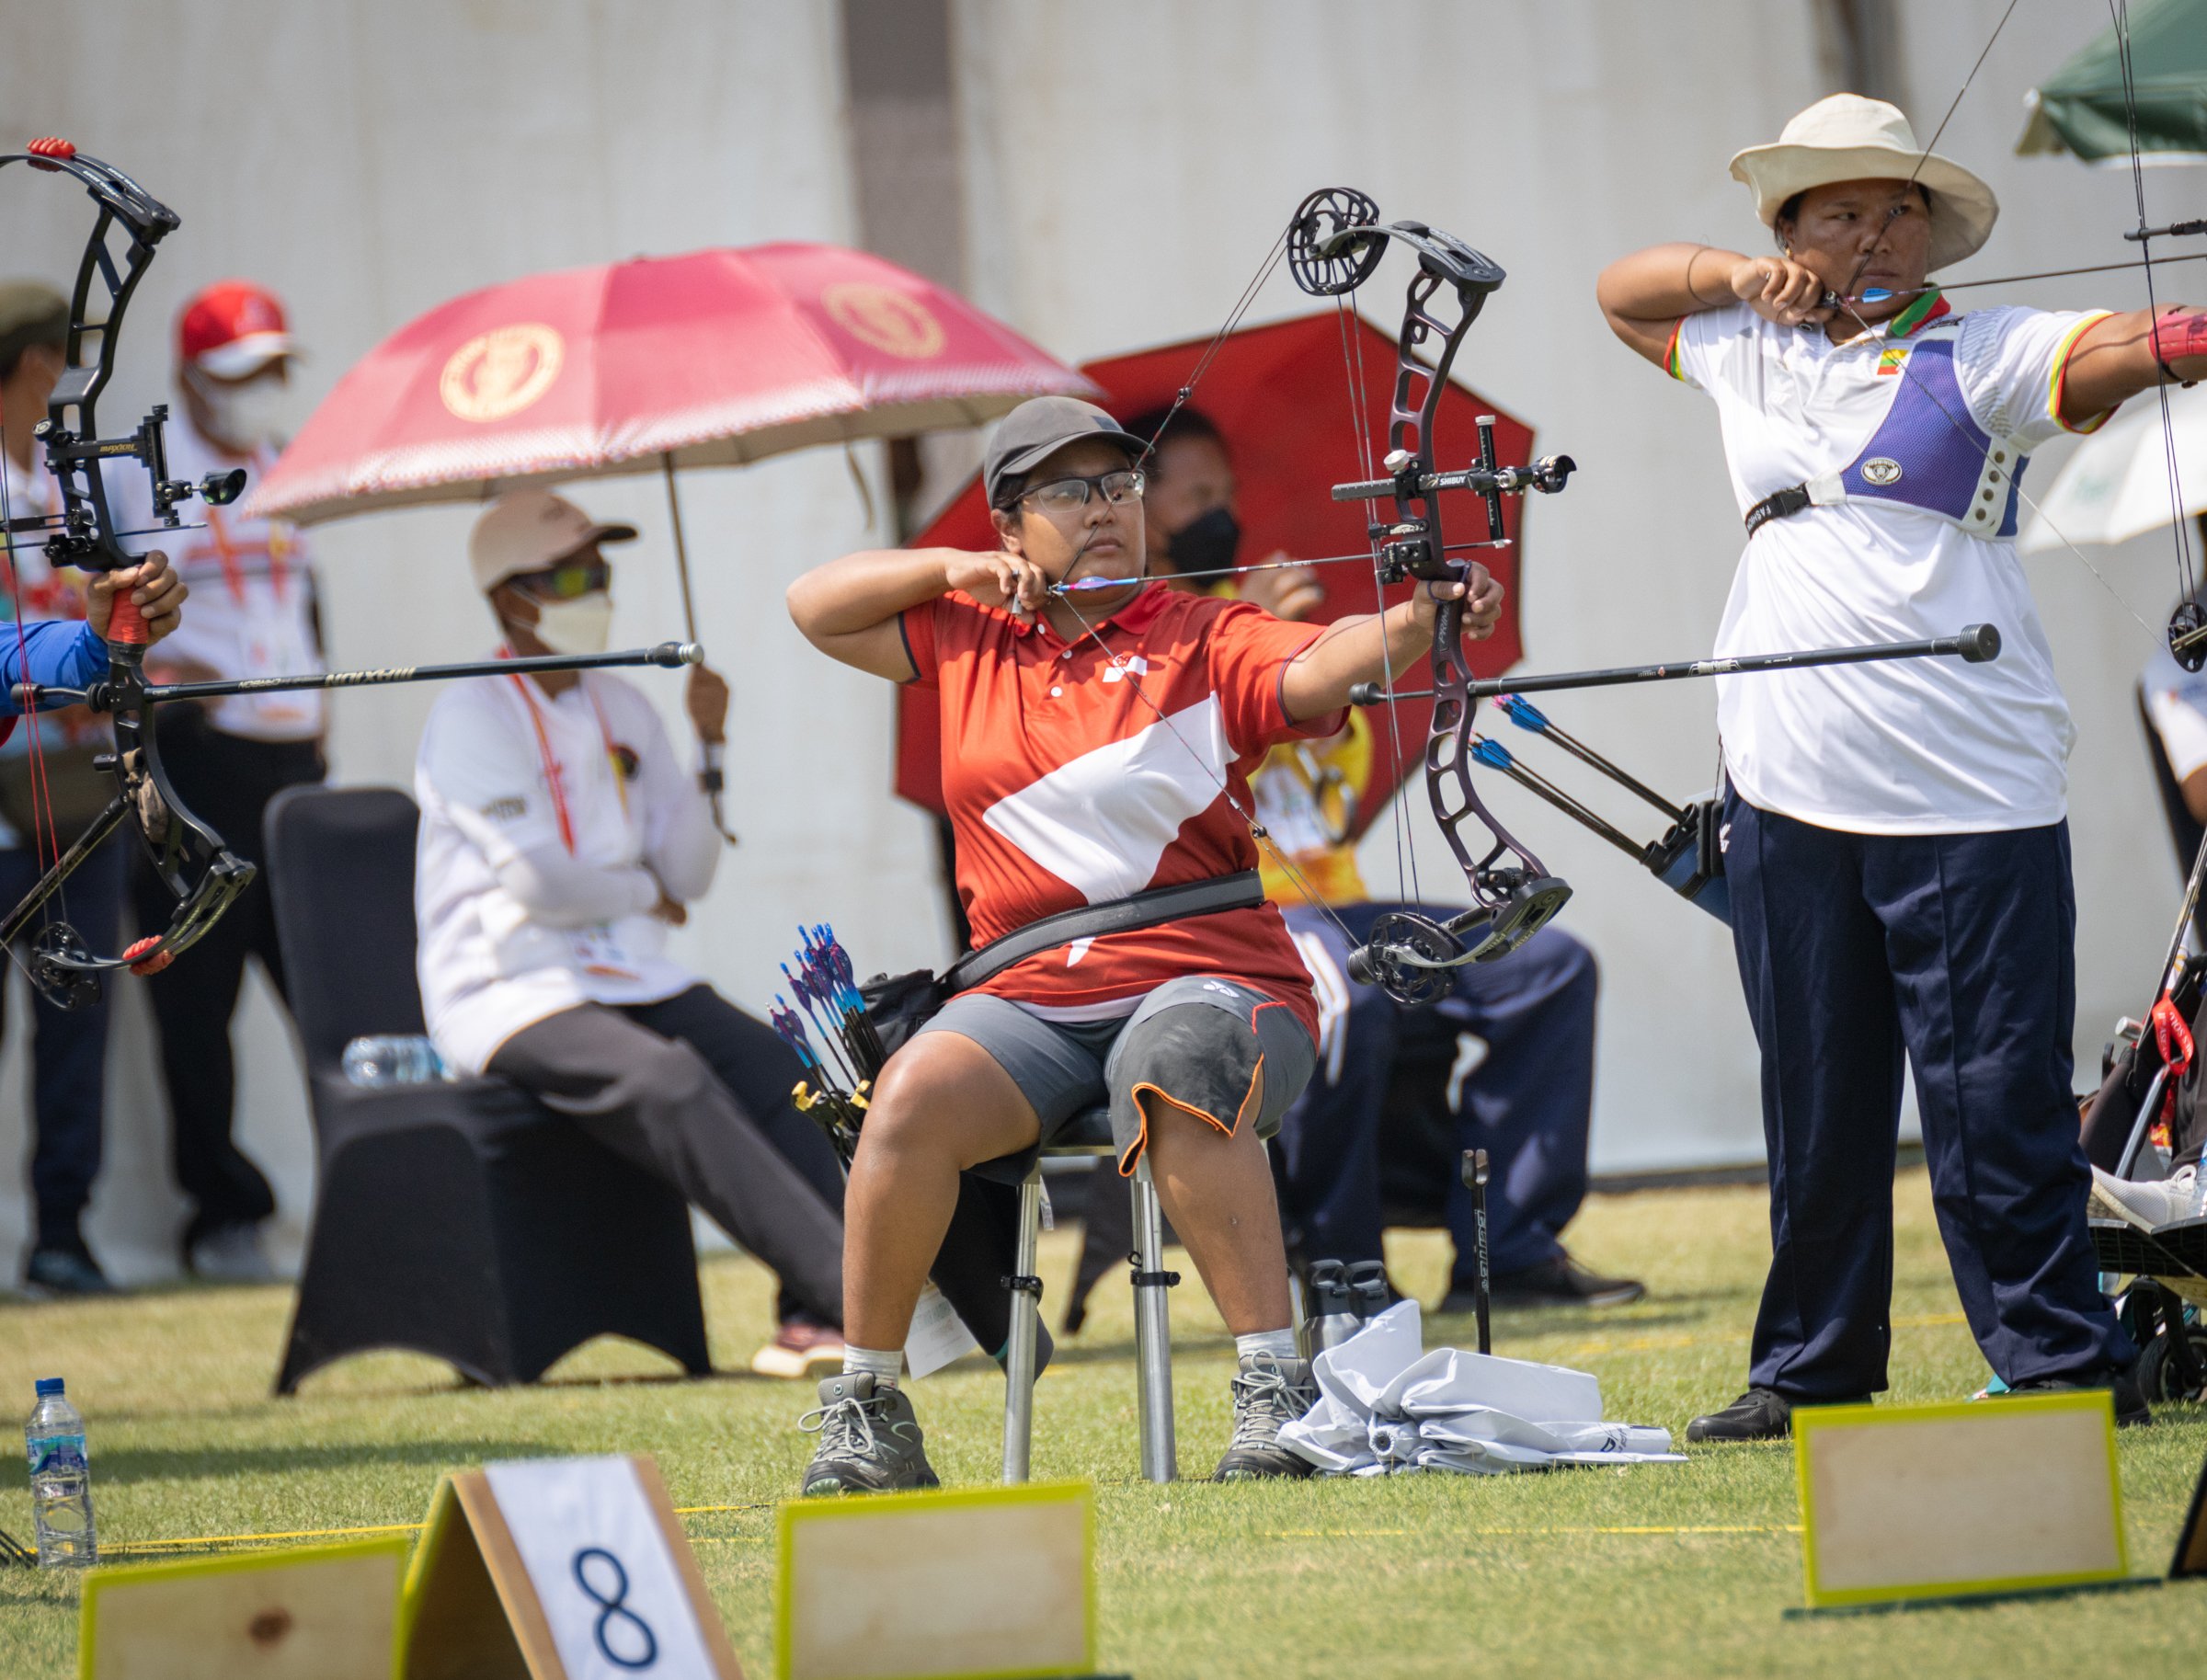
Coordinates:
x,y
1096,745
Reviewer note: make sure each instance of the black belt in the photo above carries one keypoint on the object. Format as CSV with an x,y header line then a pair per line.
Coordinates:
x,y
1777,505
1149,909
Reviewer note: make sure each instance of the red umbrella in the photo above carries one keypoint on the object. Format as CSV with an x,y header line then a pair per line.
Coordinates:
x,y
1282,398
709,360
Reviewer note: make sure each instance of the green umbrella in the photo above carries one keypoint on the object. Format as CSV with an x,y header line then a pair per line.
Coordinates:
x,y
2080,107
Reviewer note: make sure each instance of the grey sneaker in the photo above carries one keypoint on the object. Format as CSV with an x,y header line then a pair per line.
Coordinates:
x,y
231,1254
1268,1392
870,1442
2151,1205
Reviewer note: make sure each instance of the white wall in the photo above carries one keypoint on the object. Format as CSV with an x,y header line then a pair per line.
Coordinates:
x,y
1556,135
371,160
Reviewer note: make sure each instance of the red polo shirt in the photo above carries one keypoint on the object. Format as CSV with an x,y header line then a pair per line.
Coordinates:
x,y
1066,787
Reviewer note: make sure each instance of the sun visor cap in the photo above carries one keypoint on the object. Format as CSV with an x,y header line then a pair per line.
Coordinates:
x,y
527,531
1038,429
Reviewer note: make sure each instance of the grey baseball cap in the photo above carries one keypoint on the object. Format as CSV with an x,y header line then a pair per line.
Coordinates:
x,y
1037,429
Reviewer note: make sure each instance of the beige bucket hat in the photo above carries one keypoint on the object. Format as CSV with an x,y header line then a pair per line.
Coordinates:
x,y
1848,138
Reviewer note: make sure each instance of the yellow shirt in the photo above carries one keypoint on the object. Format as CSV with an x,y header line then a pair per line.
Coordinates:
x,y
1307,794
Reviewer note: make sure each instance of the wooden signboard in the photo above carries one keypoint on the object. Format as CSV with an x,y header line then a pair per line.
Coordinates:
x,y
1909,1503
324,1613
991,1581
559,1569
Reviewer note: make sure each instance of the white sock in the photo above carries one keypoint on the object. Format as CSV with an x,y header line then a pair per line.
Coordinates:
x,y
884,1367
1280,1344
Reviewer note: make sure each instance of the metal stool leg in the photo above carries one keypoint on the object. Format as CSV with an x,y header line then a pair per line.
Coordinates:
x,y
1152,1329
1026,1314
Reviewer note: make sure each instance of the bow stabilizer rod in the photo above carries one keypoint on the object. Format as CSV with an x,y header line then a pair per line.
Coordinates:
x,y
1976,645
670,655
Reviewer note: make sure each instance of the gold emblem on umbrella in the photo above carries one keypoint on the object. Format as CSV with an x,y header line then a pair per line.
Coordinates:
x,y
888,320
501,372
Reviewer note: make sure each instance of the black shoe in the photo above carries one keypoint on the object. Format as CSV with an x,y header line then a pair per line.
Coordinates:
x,y
1760,1414
1561,1282
52,1272
2130,1409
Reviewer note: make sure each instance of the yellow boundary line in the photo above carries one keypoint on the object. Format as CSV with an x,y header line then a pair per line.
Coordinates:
x,y
1358,1534
135,1547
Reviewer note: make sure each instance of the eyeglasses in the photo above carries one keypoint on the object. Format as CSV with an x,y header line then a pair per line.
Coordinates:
x,y
566,581
1070,494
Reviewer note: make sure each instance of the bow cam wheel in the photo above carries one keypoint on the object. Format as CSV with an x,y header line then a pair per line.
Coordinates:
x,y
1334,243
1407,956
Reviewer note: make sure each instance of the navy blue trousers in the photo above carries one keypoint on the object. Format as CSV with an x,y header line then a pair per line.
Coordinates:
x,y
1860,954
1520,1084
68,1047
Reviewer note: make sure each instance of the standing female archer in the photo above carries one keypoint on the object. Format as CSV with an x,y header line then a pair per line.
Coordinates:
x,y
1096,745
1897,844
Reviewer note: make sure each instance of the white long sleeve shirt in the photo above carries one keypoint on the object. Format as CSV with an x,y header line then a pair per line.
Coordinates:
x,y
549,828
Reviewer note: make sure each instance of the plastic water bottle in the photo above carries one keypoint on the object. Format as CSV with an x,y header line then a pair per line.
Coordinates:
x,y
61,1480
392,1060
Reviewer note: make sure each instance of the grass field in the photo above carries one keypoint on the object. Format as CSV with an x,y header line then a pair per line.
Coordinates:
x,y
1661,1569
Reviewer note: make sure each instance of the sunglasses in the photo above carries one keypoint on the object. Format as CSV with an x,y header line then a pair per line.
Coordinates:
x,y
566,581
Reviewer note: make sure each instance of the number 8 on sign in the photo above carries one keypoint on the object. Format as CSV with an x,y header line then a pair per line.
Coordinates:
x,y
613,1609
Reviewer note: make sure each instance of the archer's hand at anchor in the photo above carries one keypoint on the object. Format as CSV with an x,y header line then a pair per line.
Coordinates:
x,y
158,592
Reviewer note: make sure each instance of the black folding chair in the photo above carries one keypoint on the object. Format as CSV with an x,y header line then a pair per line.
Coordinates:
x,y
458,1218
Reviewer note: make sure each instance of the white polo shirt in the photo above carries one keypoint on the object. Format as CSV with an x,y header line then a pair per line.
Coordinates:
x,y
549,828
251,612
1904,747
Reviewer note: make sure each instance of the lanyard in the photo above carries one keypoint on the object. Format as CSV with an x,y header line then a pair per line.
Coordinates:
x,y
553,778
278,548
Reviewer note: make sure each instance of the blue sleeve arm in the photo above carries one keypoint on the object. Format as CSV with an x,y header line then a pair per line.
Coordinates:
x,y
54,652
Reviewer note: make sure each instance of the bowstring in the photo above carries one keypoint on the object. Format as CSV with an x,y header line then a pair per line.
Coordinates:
x,y
1846,300
2119,13
30,710
1407,886
1257,831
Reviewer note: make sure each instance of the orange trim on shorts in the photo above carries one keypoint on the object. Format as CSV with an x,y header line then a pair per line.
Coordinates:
x,y
1129,1162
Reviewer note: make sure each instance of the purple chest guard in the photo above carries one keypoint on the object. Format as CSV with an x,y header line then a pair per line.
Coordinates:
x,y
1929,453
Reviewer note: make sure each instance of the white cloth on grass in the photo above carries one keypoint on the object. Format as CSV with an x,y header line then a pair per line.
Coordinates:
x,y
1385,1406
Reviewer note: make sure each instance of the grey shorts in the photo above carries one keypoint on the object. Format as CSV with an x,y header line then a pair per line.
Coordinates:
x,y
1196,1043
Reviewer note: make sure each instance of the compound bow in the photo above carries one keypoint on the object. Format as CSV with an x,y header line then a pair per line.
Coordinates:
x,y
1334,245
188,856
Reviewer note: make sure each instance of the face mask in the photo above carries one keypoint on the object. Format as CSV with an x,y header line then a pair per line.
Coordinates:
x,y
577,626
1208,542
247,416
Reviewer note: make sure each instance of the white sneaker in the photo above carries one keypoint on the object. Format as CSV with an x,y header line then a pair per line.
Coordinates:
x,y
232,1254
2150,1207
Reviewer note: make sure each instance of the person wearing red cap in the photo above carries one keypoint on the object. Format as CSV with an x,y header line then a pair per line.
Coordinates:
x,y
253,615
